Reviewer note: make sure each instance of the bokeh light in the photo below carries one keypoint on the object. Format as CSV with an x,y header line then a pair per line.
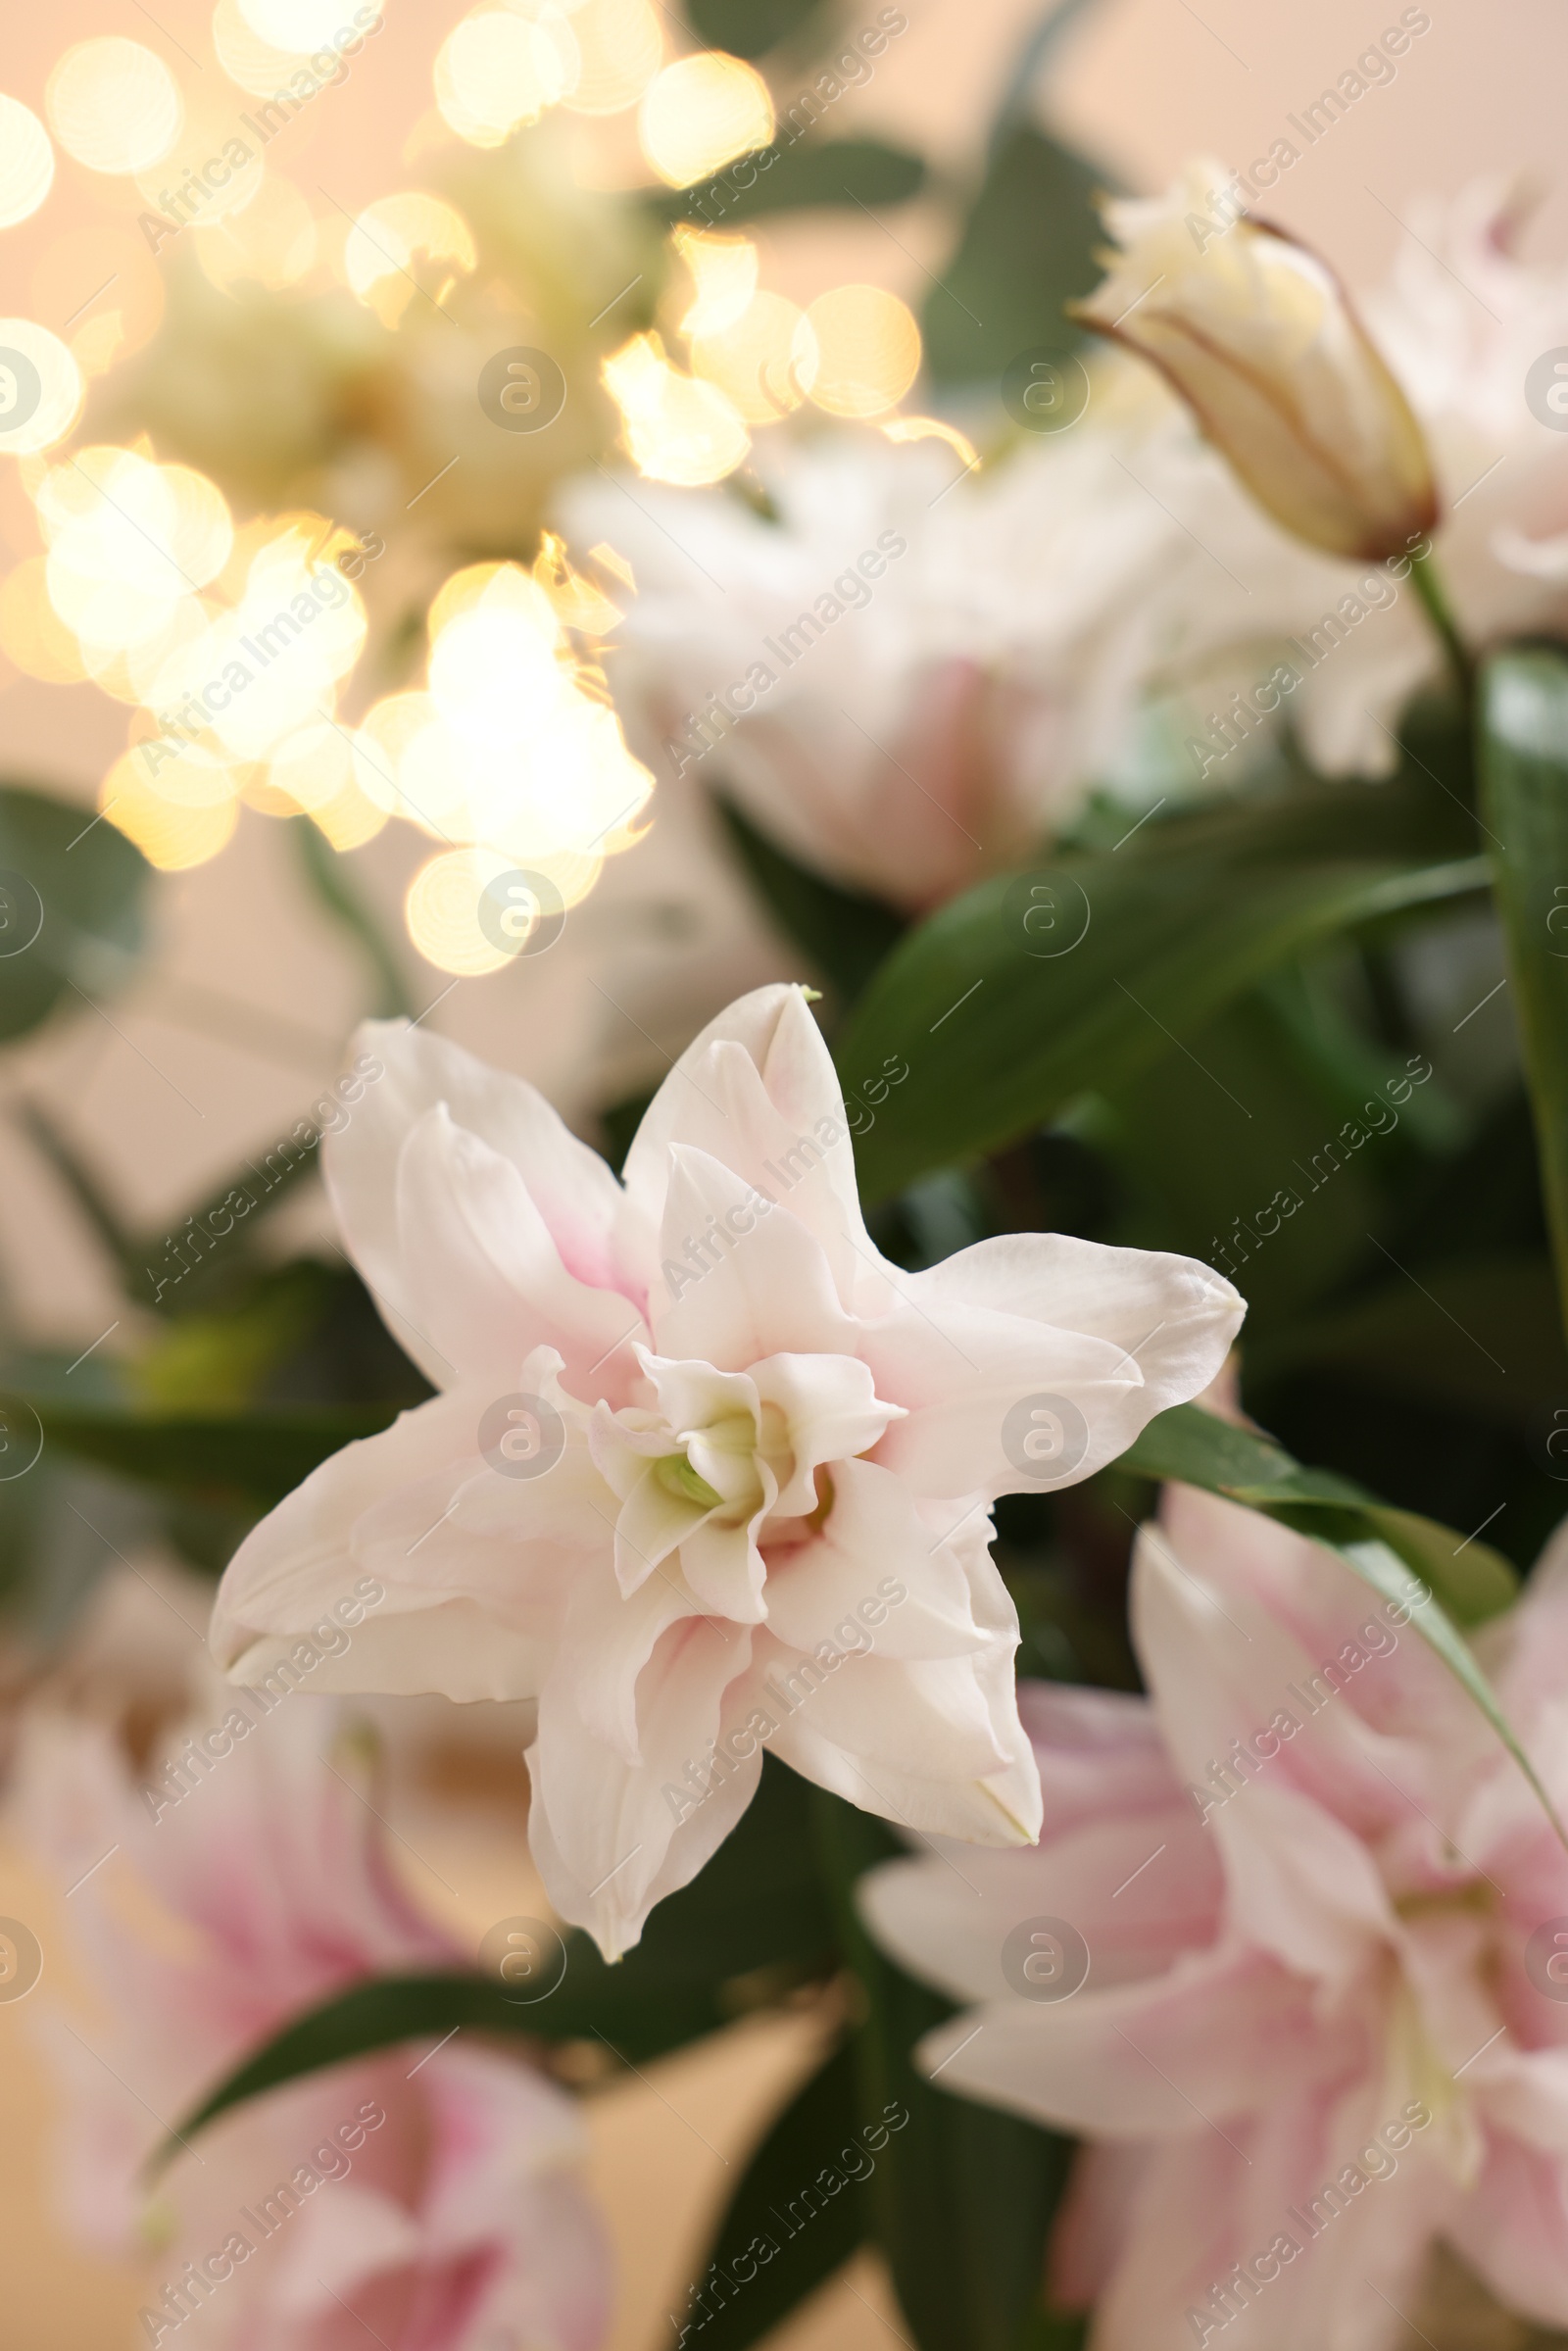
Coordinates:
x,y
129,543
295,25
32,633
677,428
390,236
254,65
442,912
700,114
619,49
766,362
40,388
26,163
723,272
113,105
512,759
867,351
170,834
501,68
443,905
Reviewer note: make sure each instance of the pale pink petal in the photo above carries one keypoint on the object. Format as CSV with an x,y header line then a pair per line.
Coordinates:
x,y
484,1280
1223,2034
610,1839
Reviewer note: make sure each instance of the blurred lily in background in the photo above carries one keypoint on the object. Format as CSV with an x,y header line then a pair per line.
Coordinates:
x,y
435,2205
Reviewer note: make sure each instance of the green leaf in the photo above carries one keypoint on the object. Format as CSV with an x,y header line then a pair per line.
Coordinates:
x,y
1524,792
964,2195
392,2009
1158,937
1027,248
845,935
71,907
749,27
812,2230
1377,1543
260,1456
1195,1447
794,172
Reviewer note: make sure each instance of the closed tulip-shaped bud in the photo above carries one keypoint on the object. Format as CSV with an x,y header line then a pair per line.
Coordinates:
x,y
1262,341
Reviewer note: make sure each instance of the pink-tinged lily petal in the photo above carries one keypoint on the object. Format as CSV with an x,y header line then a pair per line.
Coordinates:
x,y
1269,2240
1100,1752
1223,2034
876,1577
607,1637
923,1744
771,1292
757,1090
1141,1891
328,1557
806,1452
488,1283
833,1413
611,1839
1513,2227
1117,1334
597,1235
1321,2002
434,2203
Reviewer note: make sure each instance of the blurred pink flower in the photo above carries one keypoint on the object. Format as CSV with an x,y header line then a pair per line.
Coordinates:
x,y
1319,1902
432,2205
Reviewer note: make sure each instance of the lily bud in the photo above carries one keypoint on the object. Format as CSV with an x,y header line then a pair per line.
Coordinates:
x,y
1260,339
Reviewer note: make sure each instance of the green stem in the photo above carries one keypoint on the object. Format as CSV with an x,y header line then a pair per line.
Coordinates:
x,y
322,870
1426,580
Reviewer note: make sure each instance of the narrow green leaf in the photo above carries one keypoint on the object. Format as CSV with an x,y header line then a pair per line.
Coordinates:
x,y
1472,1581
798,2215
260,1455
391,2009
750,27
1377,1543
92,1201
71,907
1524,789
846,935
794,172
1003,1027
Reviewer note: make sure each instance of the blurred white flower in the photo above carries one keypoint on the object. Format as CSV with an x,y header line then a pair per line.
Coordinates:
x,y
906,678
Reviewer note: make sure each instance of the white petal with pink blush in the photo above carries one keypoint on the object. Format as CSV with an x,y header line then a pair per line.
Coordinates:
x,y
708,1473
1310,2024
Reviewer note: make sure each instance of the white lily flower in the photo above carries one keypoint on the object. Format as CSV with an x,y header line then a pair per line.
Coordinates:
x,y
707,1474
